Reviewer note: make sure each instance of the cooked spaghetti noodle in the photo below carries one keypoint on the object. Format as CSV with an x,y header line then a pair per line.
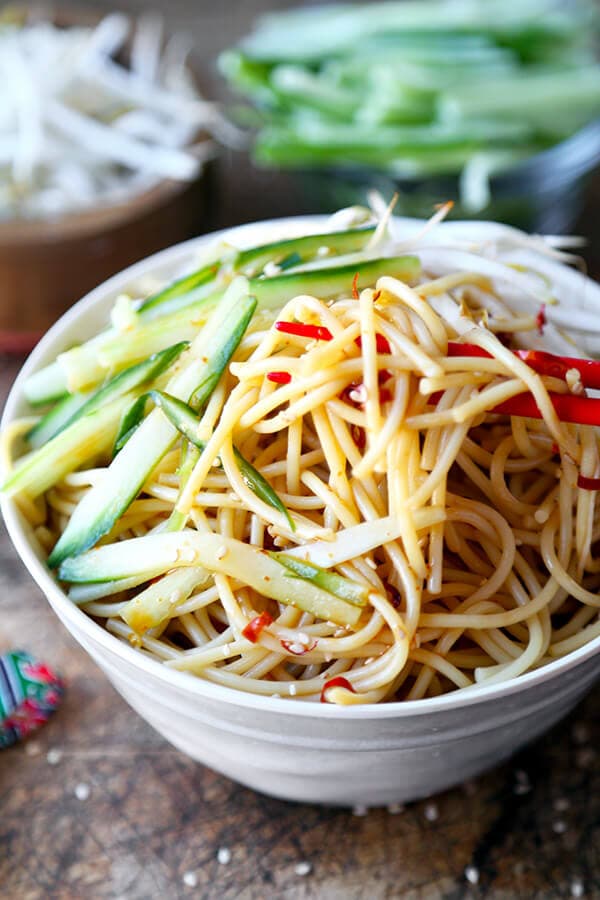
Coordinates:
x,y
477,556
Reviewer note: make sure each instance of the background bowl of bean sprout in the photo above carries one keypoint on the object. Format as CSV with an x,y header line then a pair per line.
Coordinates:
x,y
105,149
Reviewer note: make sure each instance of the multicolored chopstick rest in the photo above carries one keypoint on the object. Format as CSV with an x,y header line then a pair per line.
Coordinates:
x,y
29,694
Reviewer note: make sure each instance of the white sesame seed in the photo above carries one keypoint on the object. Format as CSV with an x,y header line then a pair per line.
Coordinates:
x,y
303,868
472,874
577,888
303,638
561,804
224,855
292,690
559,827
359,810
296,647
33,748
54,756
431,812
82,791
358,394
395,809
190,879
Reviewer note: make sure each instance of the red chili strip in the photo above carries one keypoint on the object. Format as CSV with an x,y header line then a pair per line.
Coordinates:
x,y
358,436
339,681
540,319
300,329
382,344
569,408
296,648
254,627
588,484
279,377
540,361
355,293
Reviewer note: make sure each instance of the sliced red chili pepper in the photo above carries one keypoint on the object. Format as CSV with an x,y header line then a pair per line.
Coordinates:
x,y
358,436
339,681
382,344
279,377
545,363
355,293
540,319
300,329
588,484
296,648
254,627
385,395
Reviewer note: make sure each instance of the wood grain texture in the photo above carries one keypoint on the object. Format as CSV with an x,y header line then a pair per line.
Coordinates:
x,y
531,828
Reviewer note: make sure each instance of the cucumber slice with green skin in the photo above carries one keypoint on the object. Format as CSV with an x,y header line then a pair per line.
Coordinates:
x,y
330,281
130,422
160,600
344,588
179,293
86,365
88,437
216,553
177,520
103,505
49,385
122,383
252,261
56,419
185,421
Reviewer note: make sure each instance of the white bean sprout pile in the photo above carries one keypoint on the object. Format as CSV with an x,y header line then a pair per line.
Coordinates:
x,y
79,128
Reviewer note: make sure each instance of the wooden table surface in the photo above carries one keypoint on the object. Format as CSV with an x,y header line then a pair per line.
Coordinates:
x,y
154,821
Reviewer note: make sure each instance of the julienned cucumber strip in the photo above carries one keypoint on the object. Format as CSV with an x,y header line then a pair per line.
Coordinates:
x,y
336,242
179,293
84,366
330,281
217,553
130,422
344,588
122,383
88,437
101,507
185,420
49,385
160,600
56,419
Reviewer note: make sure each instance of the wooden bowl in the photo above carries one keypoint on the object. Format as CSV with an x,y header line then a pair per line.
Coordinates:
x,y
48,264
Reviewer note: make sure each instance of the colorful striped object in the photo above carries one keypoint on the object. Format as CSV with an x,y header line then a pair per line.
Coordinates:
x,y
29,694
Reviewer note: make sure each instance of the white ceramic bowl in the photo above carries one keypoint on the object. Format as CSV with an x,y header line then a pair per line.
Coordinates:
x,y
319,753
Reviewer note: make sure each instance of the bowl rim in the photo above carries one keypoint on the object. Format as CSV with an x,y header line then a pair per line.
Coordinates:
x,y
78,622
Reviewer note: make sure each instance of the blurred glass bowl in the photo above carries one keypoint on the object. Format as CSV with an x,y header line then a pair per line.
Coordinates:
x,y
543,194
